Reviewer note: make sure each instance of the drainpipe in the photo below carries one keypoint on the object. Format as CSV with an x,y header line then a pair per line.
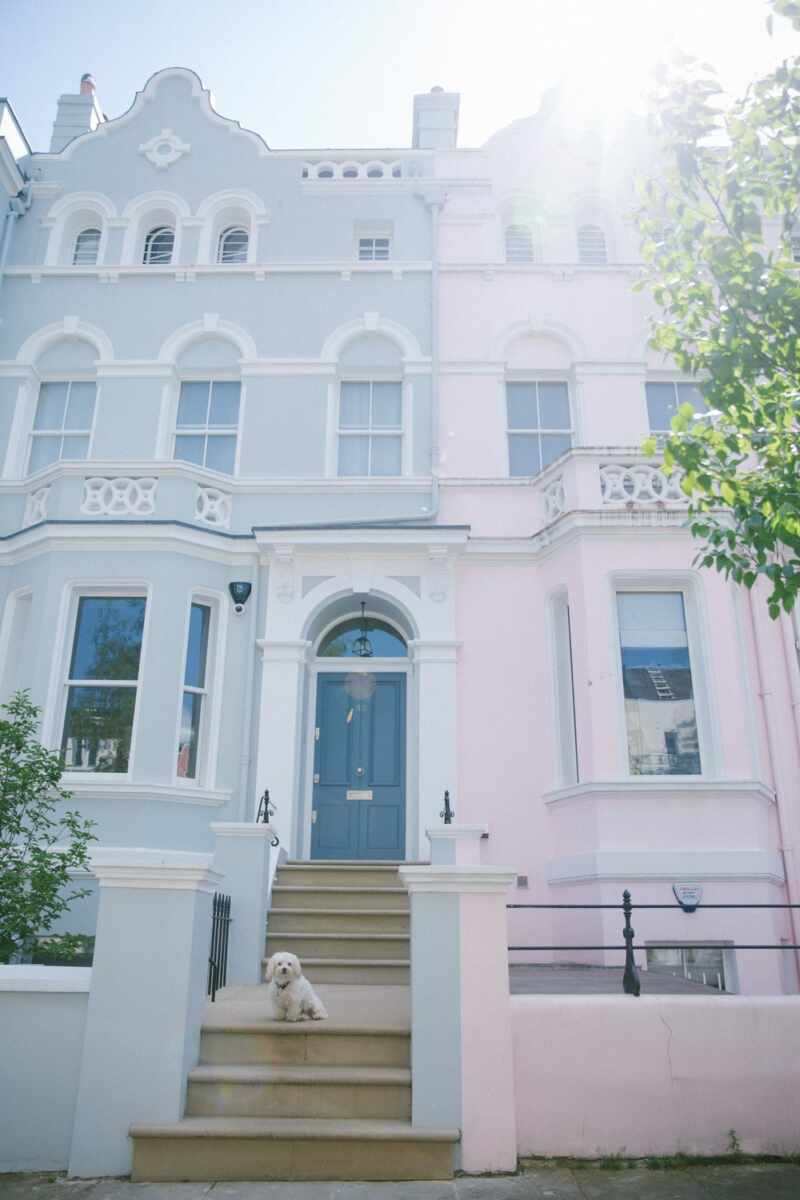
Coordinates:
x,y
17,205
767,704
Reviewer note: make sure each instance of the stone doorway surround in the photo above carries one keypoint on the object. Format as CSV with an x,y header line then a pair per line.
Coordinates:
x,y
313,576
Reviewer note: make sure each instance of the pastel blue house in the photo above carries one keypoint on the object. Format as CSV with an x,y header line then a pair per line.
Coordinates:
x,y
216,367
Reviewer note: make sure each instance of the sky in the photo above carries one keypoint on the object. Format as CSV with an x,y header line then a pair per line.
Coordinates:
x,y
342,73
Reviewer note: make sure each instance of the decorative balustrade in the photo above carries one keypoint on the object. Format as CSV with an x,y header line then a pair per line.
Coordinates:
x,y
213,507
36,506
639,483
349,169
554,499
122,496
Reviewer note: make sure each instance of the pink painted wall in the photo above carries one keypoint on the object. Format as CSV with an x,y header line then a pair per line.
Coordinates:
x,y
597,1075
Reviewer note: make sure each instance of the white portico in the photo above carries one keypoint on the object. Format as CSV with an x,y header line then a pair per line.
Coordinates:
x,y
317,580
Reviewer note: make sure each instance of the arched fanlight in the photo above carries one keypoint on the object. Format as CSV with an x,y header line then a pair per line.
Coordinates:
x,y
362,646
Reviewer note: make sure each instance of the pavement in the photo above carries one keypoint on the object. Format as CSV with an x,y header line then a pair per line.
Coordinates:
x,y
757,1181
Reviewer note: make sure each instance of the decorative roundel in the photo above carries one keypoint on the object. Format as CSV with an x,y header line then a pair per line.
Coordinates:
x,y
164,149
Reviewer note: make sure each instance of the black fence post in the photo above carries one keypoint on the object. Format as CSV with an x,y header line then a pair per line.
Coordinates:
x,y
631,984
266,810
218,950
447,813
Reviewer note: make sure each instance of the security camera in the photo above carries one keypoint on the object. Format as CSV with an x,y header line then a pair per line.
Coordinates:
x,y
240,594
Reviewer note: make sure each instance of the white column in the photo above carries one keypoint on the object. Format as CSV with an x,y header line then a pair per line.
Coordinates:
x,y
462,1071
242,858
435,665
146,1000
280,733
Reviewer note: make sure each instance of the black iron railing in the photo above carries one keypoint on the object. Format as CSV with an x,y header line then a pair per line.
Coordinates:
x,y
267,810
447,812
218,951
631,984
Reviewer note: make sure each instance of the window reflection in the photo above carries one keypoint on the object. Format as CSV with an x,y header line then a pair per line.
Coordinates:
x,y
657,682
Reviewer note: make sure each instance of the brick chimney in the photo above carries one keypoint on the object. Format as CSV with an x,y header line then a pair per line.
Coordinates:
x,y
435,120
76,114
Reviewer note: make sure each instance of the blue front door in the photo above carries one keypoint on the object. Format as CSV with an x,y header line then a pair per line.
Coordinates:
x,y
359,767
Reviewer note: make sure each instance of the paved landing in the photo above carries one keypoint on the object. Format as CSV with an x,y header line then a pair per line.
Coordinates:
x,y
768,1181
363,1005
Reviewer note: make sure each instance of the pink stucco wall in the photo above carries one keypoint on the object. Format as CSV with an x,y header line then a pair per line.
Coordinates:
x,y
598,1075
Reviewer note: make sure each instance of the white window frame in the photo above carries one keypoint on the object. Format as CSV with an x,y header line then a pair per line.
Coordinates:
x,y
595,227
200,375
146,261
537,378
661,435
98,229
564,699
60,680
349,431
225,232
513,258
211,710
697,627
729,967
69,378
372,231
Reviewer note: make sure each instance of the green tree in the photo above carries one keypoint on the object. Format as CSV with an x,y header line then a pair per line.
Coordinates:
x,y
721,242
39,842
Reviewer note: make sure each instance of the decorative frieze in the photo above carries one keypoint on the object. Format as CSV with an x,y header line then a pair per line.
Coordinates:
x,y
119,497
639,483
36,506
213,507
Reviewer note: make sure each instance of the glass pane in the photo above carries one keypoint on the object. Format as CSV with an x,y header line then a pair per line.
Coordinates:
x,y
522,406
386,453
197,649
387,405
51,406
189,735
690,393
523,454
657,683
75,447
341,641
381,249
353,455
554,406
193,404
97,728
44,450
80,406
224,404
354,406
365,249
221,454
554,444
661,406
190,449
108,637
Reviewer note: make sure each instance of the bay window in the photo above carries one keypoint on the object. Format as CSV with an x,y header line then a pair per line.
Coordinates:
x,y
102,683
195,691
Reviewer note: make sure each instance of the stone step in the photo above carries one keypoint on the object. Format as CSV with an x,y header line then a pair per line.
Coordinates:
x,y
337,920
357,970
358,897
339,945
317,1043
338,875
257,1148
381,1093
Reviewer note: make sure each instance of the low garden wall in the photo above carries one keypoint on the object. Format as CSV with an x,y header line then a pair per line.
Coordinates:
x,y
658,1075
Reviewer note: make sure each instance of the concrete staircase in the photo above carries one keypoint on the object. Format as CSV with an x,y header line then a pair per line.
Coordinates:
x,y
326,1100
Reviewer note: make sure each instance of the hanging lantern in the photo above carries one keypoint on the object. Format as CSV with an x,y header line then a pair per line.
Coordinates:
x,y
362,646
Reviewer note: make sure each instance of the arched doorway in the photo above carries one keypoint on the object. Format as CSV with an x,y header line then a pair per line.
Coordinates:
x,y
359,782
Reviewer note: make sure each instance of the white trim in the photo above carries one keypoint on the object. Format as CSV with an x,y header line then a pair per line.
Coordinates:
x,y
113,272
162,870
242,829
462,880
68,327
137,212
654,785
373,322
554,330
666,864
211,325
27,977
457,833
118,789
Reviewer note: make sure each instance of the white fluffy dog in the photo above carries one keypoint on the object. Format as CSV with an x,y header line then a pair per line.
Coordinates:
x,y
291,995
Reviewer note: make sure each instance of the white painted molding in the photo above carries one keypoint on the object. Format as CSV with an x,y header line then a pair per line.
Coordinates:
x,y
284,651
27,977
371,322
456,833
627,865
242,829
161,870
164,149
179,339
640,785
106,789
463,880
69,327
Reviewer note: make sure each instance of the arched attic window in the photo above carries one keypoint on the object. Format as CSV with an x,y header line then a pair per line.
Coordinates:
x,y
233,245
592,251
159,245
519,244
86,248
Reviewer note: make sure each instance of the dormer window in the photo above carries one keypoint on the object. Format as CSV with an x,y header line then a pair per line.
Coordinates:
x,y
233,245
592,250
158,246
87,248
519,244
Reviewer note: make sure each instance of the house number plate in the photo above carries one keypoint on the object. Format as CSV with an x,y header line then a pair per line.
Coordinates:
x,y
359,794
